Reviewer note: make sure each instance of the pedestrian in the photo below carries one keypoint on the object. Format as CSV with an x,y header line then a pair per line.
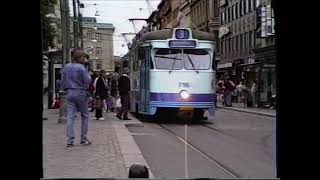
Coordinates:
x,y
75,81
253,91
229,89
100,94
239,89
91,92
219,92
57,88
124,91
114,89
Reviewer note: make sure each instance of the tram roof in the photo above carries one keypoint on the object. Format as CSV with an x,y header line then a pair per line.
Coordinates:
x,y
167,34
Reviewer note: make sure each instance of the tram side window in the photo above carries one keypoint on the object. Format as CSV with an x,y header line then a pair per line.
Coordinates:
x,y
166,58
200,59
141,54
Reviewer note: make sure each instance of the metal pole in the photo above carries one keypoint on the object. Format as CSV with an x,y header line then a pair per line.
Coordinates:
x,y
80,25
65,18
75,24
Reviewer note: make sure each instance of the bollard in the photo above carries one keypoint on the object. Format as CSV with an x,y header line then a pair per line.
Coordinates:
x,y
63,107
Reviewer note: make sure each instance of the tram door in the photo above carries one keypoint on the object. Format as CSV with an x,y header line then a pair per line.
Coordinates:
x,y
144,57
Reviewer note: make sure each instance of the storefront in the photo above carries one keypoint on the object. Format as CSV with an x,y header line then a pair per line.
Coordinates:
x,y
224,70
266,57
259,67
264,75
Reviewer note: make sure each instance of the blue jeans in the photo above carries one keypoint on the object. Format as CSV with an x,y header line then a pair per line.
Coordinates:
x,y
77,100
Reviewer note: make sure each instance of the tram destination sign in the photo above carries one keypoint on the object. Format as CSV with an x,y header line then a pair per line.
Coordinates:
x,y
182,44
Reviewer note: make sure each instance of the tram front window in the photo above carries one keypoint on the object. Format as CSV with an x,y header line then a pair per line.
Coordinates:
x,y
197,59
168,59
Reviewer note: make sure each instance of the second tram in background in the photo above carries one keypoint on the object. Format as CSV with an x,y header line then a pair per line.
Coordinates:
x,y
172,72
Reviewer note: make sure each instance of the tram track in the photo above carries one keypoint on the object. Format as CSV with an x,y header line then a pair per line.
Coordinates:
x,y
263,145
208,157
233,170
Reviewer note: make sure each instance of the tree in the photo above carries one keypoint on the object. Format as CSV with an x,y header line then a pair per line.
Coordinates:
x,y
47,30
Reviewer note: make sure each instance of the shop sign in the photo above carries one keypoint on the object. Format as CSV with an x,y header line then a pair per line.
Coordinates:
x,y
269,65
251,61
225,65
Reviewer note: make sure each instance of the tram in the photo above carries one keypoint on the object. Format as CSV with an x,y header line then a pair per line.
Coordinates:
x,y
172,72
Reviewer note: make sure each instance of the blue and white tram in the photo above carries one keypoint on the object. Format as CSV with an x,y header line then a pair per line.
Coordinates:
x,y
172,70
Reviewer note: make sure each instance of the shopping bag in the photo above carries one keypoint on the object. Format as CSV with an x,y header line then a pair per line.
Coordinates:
x,y
118,103
56,104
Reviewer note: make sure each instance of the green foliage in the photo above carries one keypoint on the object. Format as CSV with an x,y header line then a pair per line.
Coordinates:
x,y
48,32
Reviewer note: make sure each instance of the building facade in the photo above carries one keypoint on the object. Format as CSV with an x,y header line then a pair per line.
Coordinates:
x,y
204,16
248,45
183,19
98,44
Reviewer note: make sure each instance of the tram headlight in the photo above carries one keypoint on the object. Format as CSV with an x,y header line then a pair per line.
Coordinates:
x,y
184,94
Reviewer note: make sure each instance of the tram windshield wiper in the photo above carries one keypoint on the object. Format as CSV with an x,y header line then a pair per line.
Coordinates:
x,y
192,64
174,61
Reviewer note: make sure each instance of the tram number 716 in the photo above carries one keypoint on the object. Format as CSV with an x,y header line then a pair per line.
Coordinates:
x,y
184,85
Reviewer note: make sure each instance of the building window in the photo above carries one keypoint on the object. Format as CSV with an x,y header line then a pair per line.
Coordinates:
x,y
202,8
98,50
245,41
90,64
250,5
237,10
216,8
241,40
199,14
234,44
222,47
227,47
246,5
242,8
222,18
229,14
88,35
216,35
237,41
230,45
99,64
234,14
99,36
254,36
250,37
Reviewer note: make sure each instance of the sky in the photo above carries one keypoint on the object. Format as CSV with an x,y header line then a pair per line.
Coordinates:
x,y
118,12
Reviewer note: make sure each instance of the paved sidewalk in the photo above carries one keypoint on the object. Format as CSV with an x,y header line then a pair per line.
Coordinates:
x,y
239,107
112,152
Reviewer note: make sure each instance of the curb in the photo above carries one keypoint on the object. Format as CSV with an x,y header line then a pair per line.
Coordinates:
x,y
248,111
130,151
